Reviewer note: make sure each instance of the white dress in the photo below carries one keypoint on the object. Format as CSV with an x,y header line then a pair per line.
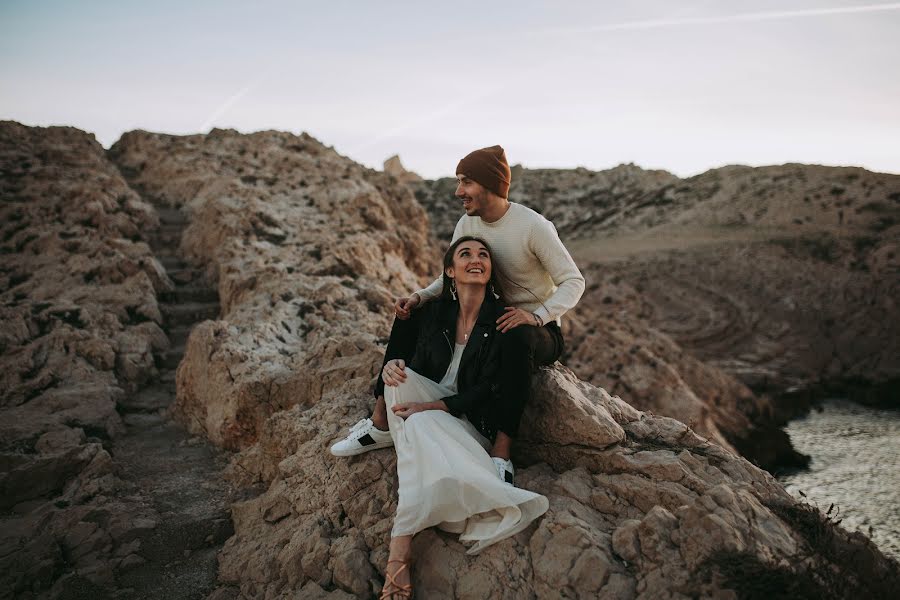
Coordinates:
x,y
445,476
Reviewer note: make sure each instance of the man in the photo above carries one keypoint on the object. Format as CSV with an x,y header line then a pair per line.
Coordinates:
x,y
543,283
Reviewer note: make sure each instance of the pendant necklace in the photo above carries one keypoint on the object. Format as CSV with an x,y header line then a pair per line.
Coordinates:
x,y
467,330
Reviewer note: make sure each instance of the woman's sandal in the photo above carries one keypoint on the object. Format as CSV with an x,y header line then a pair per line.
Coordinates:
x,y
399,592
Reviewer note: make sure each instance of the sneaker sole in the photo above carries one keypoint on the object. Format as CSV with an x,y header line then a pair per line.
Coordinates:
x,y
362,449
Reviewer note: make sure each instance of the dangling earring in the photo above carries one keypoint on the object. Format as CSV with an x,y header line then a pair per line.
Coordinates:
x,y
453,288
494,292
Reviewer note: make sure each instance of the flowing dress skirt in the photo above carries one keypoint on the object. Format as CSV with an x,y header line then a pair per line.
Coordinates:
x,y
446,477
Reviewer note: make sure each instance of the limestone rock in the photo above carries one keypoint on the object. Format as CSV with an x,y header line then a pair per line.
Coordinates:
x,y
716,299
781,276
640,507
79,327
308,250
395,168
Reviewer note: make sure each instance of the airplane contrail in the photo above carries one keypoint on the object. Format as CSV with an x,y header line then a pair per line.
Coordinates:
x,y
630,25
233,99
755,16
426,118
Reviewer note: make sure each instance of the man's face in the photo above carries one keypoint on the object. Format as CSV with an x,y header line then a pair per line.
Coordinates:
x,y
474,196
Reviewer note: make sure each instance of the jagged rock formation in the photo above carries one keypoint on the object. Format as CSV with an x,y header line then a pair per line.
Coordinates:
x,y
609,340
784,277
641,507
395,168
80,325
308,249
101,495
611,345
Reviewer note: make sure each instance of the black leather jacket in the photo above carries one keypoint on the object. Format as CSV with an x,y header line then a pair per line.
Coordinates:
x,y
425,341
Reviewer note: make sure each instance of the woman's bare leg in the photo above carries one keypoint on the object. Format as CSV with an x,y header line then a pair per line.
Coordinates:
x,y
400,550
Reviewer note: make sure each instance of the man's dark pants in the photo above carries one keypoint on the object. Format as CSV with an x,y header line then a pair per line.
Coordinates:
x,y
522,350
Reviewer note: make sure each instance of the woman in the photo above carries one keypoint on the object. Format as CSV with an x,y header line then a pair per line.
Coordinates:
x,y
438,382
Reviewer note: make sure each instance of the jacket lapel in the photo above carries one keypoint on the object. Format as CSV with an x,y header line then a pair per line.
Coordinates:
x,y
484,329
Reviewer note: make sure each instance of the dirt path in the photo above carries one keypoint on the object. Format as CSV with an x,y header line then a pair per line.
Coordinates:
x,y
178,473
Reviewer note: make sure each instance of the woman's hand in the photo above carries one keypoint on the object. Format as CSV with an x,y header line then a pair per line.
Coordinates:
x,y
513,317
407,410
394,372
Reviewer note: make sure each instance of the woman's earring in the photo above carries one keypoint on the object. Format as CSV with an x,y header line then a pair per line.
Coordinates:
x,y
494,292
453,288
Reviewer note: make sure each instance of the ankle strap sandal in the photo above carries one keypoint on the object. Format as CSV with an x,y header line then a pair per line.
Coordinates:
x,y
399,592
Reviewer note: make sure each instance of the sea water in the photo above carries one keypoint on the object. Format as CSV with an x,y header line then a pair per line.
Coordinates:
x,y
855,465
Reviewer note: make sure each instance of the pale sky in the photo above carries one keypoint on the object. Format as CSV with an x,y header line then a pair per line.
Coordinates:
x,y
682,86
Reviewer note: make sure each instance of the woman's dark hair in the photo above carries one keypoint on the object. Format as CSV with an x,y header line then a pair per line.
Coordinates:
x,y
494,283
499,281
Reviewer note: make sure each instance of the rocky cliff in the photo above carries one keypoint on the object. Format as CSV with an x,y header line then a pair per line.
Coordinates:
x,y
307,250
784,278
78,331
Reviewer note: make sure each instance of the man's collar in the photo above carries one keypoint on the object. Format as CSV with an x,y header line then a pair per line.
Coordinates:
x,y
503,214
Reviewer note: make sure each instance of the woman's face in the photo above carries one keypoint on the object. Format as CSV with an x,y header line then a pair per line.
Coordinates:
x,y
471,264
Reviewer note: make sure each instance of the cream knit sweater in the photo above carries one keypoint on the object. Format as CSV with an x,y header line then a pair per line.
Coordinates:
x,y
529,252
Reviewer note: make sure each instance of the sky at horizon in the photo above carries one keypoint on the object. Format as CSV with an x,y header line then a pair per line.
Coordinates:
x,y
681,86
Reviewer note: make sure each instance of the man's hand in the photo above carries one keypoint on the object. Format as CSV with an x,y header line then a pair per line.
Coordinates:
x,y
404,306
394,372
513,317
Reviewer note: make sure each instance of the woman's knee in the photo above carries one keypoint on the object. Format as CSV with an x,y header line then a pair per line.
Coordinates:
x,y
422,418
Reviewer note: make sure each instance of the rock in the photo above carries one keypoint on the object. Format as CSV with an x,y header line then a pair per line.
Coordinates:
x,y
307,250
585,423
394,168
79,326
641,506
291,230
56,441
777,275
645,509
708,303
79,306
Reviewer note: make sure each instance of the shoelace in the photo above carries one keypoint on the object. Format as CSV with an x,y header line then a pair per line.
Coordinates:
x,y
359,425
360,429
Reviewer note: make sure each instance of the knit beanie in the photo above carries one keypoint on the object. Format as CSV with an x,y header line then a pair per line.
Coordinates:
x,y
488,167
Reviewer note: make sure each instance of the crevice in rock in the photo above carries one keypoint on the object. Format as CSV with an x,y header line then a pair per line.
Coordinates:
x,y
179,474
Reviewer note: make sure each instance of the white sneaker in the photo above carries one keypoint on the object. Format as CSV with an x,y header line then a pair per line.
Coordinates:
x,y
505,469
364,436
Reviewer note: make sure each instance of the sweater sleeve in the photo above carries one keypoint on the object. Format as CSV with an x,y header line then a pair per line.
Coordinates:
x,y
437,286
546,245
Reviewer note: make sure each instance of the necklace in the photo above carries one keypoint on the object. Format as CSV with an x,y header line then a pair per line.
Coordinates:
x,y
466,329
